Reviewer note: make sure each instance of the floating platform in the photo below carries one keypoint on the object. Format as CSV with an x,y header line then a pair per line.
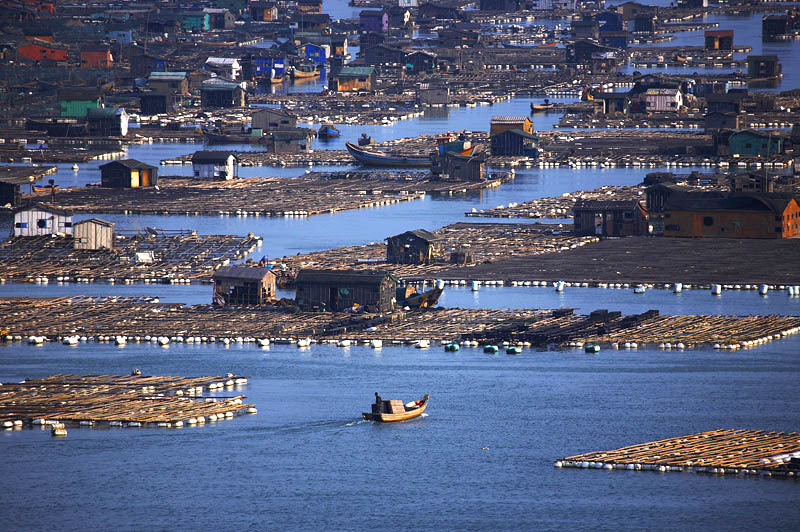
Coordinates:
x,y
265,196
154,256
118,400
78,320
723,452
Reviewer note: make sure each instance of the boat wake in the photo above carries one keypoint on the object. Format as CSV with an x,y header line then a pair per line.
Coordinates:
x,y
424,414
357,422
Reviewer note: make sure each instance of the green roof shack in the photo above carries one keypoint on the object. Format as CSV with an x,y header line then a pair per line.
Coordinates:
x,y
76,101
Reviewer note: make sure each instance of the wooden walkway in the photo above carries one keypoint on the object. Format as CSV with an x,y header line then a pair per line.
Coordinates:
x,y
131,400
723,451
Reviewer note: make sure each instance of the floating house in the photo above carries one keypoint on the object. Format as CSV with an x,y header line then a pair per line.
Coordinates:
x,y
96,56
413,247
498,124
43,51
107,122
346,290
268,118
350,78
13,178
216,92
750,142
169,83
514,143
763,66
610,218
373,20
719,39
663,100
243,285
128,173
684,212
42,220
212,164
76,101
93,234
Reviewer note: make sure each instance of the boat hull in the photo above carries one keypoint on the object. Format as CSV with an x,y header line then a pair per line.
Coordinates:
x,y
427,299
216,138
393,418
378,159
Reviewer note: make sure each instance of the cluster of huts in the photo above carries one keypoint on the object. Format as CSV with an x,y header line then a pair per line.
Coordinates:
x,y
749,209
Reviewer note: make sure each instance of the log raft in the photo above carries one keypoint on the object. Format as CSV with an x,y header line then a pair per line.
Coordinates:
x,y
722,451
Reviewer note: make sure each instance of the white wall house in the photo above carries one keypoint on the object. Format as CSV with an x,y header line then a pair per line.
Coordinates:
x,y
663,100
227,66
215,165
42,220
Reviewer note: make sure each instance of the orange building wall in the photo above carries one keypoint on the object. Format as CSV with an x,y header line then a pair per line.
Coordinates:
x,y
733,224
95,59
791,220
37,52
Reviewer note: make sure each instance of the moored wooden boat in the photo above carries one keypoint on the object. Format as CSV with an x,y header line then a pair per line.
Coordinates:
x,y
230,138
371,158
395,410
328,131
416,301
304,72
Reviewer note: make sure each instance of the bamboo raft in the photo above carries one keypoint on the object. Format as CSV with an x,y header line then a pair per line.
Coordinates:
x,y
260,196
118,400
108,319
722,451
176,256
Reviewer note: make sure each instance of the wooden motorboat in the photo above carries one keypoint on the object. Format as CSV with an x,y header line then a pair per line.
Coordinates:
x,y
408,296
395,410
304,72
221,137
371,158
538,107
328,131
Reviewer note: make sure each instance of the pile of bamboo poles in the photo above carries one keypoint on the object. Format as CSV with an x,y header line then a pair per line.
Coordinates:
x,y
117,399
722,451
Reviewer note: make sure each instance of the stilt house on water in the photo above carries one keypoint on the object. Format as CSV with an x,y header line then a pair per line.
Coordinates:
x,y
243,285
346,290
413,247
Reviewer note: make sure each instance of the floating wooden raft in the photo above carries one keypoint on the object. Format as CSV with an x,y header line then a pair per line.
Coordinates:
x,y
117,399
721,451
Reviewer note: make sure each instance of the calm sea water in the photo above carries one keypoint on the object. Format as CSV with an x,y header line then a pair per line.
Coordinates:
x,y
583,300
307,461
